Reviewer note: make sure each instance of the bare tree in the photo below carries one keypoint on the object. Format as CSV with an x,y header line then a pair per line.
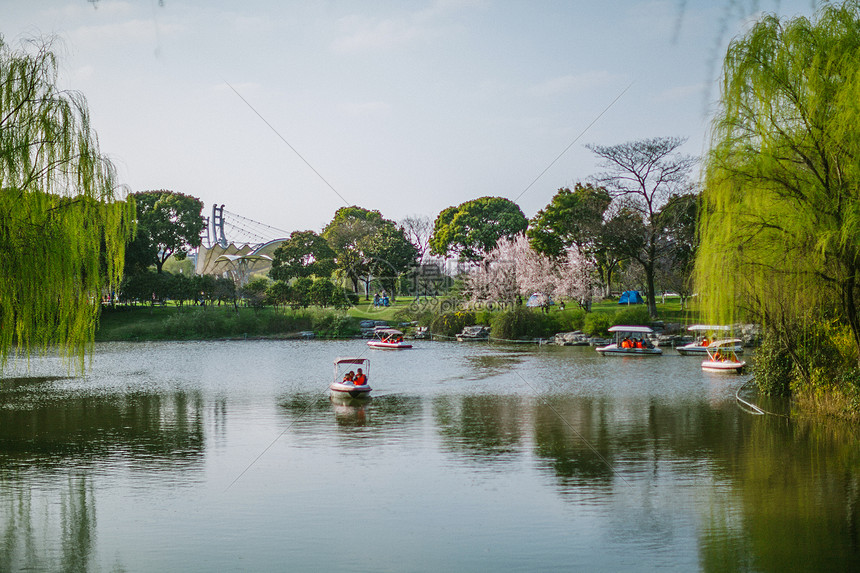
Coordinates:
x,y
418,229
644,174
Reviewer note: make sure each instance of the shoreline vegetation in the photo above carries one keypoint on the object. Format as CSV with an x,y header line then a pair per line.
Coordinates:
x,y
165,322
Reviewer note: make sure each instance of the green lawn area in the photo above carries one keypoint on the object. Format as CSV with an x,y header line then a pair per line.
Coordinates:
x,y
671,311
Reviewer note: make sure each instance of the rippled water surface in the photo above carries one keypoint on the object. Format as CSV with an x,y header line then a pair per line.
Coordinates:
x,y
230,456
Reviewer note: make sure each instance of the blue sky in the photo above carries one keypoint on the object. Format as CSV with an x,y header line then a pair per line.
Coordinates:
x,y
402,106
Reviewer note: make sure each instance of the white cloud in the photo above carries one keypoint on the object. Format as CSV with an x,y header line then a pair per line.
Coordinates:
x,y
362,33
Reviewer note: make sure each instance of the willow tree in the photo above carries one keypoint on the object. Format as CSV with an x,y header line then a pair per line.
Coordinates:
x,y
62,228
780,228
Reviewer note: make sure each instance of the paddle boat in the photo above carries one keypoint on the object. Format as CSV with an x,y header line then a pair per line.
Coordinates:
x,y
700,345
722,357
388,338
341,387
630,341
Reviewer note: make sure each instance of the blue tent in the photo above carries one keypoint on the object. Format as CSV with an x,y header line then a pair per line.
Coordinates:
x,y
631,297
539,299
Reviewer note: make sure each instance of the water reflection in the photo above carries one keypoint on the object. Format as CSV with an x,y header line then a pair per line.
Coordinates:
x,y
601,465
54,446
485,428
387,412
47,429
573,438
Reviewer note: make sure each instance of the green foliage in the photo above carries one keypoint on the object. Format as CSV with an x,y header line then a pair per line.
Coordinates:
x,y
322,292
597,324
334,325
781,215
168,224
452,323
366,246
521,323
63,228
572,218
569,320
772,367
473,228
304,254
300,292
633,315
254,293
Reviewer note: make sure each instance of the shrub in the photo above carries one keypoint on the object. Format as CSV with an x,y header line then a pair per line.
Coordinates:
x,y
521,323
634,315
597,324
772,368
452,323
569,320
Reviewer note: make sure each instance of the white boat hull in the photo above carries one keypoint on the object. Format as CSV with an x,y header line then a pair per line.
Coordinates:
x,y
723,366
614,350
351,390
389,345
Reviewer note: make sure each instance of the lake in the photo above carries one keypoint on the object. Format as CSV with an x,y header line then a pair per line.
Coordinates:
x,y
230,456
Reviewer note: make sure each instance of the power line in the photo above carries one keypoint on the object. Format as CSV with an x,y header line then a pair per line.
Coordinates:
x,y
345,202
574,141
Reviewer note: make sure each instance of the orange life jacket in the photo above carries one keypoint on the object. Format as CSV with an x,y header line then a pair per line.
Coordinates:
x,y
360,380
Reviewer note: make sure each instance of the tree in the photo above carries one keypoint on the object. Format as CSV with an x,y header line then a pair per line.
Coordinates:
x,y
417,229
678,219
169,224
780,231
322,292
255,291
472,229
304,254
63,226
368,246
645,173
514,268
573,220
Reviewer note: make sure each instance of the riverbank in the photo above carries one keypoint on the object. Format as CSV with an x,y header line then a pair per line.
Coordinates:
x,y
144,323
171,322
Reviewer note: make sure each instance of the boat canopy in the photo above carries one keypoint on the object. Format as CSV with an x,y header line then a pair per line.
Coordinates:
x,y
388,331
623,328
707,327
725,342
350,360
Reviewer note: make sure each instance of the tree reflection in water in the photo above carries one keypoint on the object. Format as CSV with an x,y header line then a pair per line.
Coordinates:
x,y
51,525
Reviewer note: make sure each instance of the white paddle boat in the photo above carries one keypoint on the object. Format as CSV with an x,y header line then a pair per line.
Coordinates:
x,y
630,341
341,386
722,357
388,338
700,345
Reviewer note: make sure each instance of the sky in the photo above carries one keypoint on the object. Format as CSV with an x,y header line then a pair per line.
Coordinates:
x,y
286,110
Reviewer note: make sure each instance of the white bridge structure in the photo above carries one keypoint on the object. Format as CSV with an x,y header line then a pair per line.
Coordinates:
x,y
247,254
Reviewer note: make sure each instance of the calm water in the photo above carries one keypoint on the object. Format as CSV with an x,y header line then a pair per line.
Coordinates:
x,y
229,456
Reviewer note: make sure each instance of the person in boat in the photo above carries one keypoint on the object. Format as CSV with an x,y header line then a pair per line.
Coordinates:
x,y
718,356
360,378
639,344
705,341
350,376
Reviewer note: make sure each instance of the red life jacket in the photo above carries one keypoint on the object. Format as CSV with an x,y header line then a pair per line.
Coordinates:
x,y
360,380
